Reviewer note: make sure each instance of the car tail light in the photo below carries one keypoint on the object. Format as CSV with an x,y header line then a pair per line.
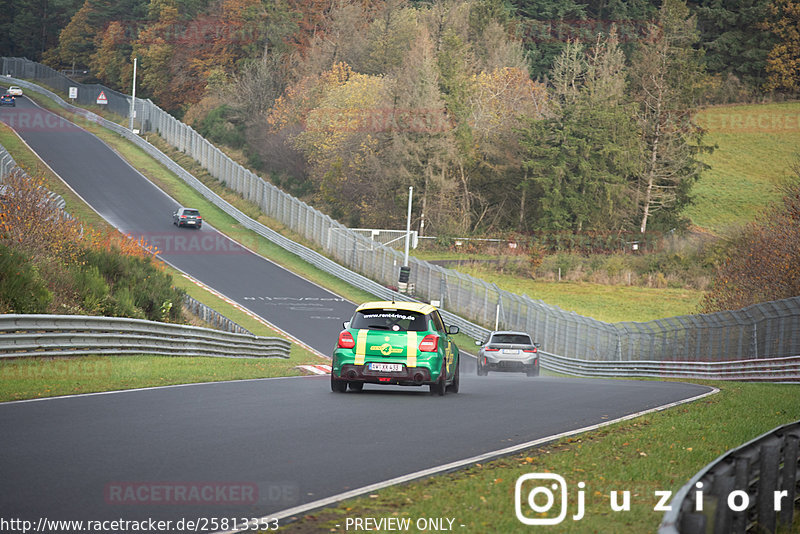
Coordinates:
x,y
346,340
198,217
530,350
429,343
183,216
487,349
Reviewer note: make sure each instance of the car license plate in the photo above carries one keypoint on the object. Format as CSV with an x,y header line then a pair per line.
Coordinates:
x,y
386,367
189,222
510,351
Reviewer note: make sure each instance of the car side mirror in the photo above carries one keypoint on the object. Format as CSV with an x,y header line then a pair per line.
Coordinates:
x,y
452,329
537,345
346,325
478,343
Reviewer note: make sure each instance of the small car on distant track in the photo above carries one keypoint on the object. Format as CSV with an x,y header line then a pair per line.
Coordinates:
x,y
396,343
506,350
7,100
187,217
14,90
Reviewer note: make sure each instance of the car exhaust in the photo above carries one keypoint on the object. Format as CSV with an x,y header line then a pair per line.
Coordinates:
x,y
418,378
351,374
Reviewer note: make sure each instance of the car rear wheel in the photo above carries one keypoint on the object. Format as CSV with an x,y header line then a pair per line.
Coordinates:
x,y
338,386
453,388
481,370
440,387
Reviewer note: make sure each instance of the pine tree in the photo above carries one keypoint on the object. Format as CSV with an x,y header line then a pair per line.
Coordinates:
x,y
667,78
733,39
582,159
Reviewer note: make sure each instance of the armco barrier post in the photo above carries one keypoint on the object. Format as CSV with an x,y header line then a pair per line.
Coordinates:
x,y
767,484
789,477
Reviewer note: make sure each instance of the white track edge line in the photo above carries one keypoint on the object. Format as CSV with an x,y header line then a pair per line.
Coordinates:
x,y
321,503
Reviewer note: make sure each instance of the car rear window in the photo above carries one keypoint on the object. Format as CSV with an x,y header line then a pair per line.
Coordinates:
x,y
390,319
191,212
512,339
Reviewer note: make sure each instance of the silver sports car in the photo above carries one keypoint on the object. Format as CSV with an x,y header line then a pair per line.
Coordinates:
x,y
508,351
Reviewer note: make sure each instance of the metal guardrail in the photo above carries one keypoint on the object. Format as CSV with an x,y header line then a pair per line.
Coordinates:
x,y
740,489
772,369
72,335
8,165
765,332
213,317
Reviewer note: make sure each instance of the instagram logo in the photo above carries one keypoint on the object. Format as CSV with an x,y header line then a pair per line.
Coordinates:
x,y
541,492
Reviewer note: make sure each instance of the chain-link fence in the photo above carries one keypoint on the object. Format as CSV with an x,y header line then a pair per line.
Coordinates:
x,y
769,330
87,93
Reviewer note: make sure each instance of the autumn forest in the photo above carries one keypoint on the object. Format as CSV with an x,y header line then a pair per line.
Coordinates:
x,y
521,116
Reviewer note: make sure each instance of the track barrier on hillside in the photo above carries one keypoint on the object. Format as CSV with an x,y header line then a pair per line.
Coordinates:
x,y
767,333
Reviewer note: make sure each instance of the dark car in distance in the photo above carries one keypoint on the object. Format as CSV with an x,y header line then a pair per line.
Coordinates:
x,y
187,217
7,100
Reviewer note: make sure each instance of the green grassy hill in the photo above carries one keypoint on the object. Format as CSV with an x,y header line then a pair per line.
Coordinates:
x,y
757,144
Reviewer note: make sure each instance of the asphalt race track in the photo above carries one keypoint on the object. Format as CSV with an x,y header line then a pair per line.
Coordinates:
x,y
292,440
254,448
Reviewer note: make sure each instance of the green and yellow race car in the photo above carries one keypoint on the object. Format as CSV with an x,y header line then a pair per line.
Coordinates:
x,y
399,343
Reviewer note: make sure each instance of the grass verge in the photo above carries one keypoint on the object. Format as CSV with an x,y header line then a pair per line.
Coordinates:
x,y
659,451
31,378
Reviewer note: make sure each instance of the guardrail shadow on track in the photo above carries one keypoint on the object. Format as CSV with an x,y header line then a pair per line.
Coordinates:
x,y
753,488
